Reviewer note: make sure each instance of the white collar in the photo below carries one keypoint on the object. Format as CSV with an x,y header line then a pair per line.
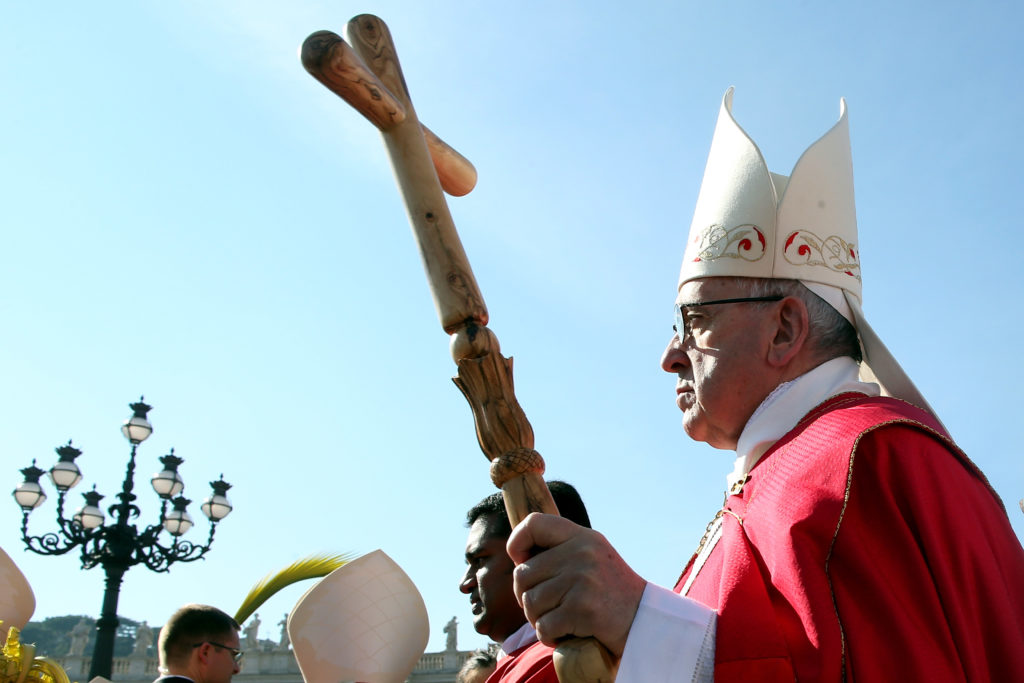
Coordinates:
x,y
523,636
788,403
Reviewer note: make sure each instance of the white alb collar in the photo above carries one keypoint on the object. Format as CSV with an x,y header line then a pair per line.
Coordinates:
x,y
524,636
788,403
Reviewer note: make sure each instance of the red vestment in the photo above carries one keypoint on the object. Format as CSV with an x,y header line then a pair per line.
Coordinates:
x,y
530,663
865,546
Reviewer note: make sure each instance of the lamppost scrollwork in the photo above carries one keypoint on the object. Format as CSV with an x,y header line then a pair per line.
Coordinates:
x,y
118,545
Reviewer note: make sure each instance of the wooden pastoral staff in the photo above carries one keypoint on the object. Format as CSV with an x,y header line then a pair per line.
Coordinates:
x,y
368,76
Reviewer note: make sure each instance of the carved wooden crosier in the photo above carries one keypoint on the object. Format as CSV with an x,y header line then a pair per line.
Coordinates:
x,y
368,76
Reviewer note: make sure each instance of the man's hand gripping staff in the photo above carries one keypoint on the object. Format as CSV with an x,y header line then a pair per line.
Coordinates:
x,y
369,77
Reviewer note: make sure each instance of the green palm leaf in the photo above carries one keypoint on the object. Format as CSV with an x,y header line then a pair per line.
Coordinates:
x,y
312,567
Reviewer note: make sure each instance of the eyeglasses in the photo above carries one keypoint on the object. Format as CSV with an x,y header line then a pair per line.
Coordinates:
x,y
236,654
682,326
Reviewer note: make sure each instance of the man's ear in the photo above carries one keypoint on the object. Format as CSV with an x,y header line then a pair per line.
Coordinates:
x,y
792,326
202,653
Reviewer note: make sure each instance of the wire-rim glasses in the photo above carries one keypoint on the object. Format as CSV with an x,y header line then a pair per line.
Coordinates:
x,y
682,326
236,654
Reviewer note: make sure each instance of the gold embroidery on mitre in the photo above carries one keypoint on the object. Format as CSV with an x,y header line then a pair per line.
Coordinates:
x,y
804,248
744,241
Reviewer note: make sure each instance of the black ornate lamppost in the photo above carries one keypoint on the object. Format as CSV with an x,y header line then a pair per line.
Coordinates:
x,y
120,545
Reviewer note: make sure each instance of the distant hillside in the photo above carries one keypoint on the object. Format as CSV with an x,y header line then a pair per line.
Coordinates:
x,y
52,637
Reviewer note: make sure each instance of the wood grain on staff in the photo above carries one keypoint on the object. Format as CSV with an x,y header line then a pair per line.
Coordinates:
x,y
330,60
456,294
485,376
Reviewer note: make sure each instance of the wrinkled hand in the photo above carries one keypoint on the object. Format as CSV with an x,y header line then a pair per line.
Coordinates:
x,y
576,584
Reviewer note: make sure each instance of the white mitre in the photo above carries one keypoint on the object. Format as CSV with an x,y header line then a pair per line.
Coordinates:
x,y
750,222
17,602
365,621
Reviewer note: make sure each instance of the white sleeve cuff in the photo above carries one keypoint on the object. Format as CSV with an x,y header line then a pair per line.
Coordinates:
x,y
672,639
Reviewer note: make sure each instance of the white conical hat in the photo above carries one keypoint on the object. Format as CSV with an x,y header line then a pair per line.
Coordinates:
x,y
750,222
365,621
17,602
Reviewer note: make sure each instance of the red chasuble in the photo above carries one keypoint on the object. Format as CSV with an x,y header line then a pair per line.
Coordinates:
x,y
530,663
865,546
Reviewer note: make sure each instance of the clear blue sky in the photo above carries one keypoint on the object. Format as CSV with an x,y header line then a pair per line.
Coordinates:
x,y
188,215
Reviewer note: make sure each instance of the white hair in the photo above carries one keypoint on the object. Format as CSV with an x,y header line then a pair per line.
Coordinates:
x,y
829,334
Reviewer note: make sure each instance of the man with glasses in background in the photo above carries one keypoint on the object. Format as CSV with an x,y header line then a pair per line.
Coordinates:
x,y
199,643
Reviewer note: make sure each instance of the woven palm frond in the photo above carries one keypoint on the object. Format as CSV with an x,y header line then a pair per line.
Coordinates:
x,y
312,567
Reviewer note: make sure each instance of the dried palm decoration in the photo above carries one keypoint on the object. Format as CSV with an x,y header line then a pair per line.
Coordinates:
x,y
312,567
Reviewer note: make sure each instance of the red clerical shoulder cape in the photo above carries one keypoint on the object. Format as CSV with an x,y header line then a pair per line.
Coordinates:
x,y
530,663
865,546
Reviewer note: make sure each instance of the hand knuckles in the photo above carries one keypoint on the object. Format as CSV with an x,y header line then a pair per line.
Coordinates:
x,y
528,603
522,578
548,629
